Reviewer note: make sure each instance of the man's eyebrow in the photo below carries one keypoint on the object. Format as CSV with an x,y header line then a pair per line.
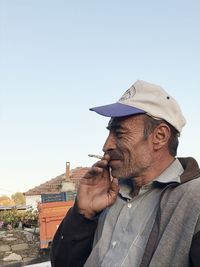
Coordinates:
x,y
113,125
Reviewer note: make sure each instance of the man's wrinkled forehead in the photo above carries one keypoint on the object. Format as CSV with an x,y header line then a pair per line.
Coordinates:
x,y
117,122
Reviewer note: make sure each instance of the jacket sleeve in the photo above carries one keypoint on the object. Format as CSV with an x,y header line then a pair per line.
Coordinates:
x,y
195,250
72,243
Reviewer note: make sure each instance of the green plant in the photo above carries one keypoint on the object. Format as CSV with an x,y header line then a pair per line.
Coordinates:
x,y
14,217
29,217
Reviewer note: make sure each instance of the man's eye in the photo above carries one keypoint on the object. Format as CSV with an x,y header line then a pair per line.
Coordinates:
x,y
118,134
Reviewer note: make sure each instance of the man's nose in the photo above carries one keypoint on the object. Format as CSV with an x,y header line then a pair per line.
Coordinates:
x,y
110,143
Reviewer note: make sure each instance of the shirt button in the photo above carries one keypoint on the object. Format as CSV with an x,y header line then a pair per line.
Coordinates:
x,y
114,243
129,205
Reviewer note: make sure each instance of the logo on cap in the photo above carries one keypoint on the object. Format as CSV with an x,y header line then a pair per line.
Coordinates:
x,y
128,94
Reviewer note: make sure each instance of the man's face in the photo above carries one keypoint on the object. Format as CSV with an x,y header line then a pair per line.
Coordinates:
x,y
130,153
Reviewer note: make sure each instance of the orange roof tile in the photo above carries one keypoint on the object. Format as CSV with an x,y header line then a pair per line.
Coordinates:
x,y
54,185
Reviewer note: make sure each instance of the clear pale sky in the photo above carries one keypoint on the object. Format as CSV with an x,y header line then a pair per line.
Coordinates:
x,y
59,58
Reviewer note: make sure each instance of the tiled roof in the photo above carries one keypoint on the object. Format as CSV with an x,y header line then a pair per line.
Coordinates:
x,y
77,173
54,185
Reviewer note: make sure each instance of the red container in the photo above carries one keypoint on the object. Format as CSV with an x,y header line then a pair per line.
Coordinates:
x,y
50,216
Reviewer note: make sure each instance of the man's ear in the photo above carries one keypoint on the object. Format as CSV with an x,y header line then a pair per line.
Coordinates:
x,y
161,135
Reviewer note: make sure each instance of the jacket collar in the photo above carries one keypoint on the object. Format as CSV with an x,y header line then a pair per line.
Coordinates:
x,y
191,169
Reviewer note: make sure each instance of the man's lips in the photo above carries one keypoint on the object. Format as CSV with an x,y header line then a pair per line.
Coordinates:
x,y
114,157
112,162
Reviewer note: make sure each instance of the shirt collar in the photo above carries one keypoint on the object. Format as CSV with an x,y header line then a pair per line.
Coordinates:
x,y
171,174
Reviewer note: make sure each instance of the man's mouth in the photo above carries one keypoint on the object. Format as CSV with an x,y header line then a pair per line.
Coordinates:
x,y
113,162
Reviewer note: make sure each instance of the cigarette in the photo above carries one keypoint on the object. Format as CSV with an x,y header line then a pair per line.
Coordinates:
x,y
95,156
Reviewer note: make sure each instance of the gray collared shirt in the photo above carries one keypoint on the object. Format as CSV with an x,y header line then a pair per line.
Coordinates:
x,y
124,228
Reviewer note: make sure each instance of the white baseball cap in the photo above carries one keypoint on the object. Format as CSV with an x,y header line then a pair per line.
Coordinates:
x,y
145,98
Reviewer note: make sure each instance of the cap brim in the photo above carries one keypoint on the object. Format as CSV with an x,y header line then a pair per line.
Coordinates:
x,y
117,110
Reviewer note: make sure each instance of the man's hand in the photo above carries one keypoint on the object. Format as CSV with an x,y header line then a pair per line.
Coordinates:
x,y
97,190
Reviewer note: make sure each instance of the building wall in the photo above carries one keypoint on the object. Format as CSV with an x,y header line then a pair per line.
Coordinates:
x,y
33,200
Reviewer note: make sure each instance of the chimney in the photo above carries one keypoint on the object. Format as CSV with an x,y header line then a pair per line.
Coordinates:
x,y
67,172
67,184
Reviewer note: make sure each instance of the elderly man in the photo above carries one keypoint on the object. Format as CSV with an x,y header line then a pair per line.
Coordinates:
x,y
139,205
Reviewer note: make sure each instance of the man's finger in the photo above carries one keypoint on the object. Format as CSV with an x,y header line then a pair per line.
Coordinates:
x,y
93,172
